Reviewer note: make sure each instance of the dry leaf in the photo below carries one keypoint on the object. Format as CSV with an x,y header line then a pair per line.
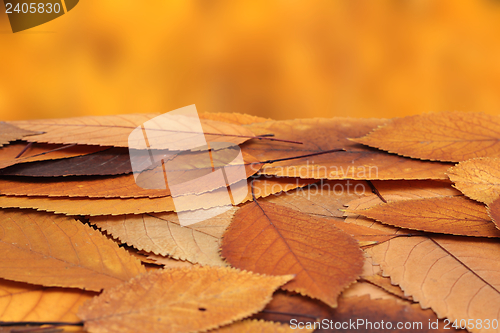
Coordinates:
x,y
163,235
58,251
301,309
494,212
445,136
458,277
9,132
115,130
258,326
479,178
113,206
26,302
271,239
40,152
319,135
112,161
455,215
180,300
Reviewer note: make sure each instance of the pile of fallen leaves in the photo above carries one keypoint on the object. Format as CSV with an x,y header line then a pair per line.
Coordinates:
x,y
345,220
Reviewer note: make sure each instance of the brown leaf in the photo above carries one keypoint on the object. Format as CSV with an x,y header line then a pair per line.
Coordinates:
x,y
257,326
319,135
9,132
285,307
40,152
26,302
444,136
115,130
479,178
162,234
180,300
458,277
455,215
112,161
494,212
271,239
114,206
52,250
127,186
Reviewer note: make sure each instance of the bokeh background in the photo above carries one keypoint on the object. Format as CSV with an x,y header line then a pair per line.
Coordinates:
x,y
281,59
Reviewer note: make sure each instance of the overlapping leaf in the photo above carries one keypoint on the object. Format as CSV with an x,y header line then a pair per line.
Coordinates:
x,y
320,135
163,235
271,239
445,136
17,152
180,300
116,206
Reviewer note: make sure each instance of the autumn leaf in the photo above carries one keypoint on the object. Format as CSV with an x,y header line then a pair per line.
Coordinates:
x,y
455,276
479,178
444,136
117,206
494,212
320,135
180,300
270,239
17,153
260,326
162,234
108,162
115,130
58,251
285,307
9,132
26,302
455,215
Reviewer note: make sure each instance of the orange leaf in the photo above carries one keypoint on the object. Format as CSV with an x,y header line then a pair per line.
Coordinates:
x,y
180,300
445,136
26,302
114,206
494,212
115,130
456,215
58,251
479,178
233,118
270,239
319,135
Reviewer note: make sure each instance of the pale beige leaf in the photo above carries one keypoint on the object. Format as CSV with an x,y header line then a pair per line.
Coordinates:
x,y
180,300
458,277
163,235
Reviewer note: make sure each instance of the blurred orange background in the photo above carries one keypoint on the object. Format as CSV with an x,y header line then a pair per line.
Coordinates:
x,y
278,59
